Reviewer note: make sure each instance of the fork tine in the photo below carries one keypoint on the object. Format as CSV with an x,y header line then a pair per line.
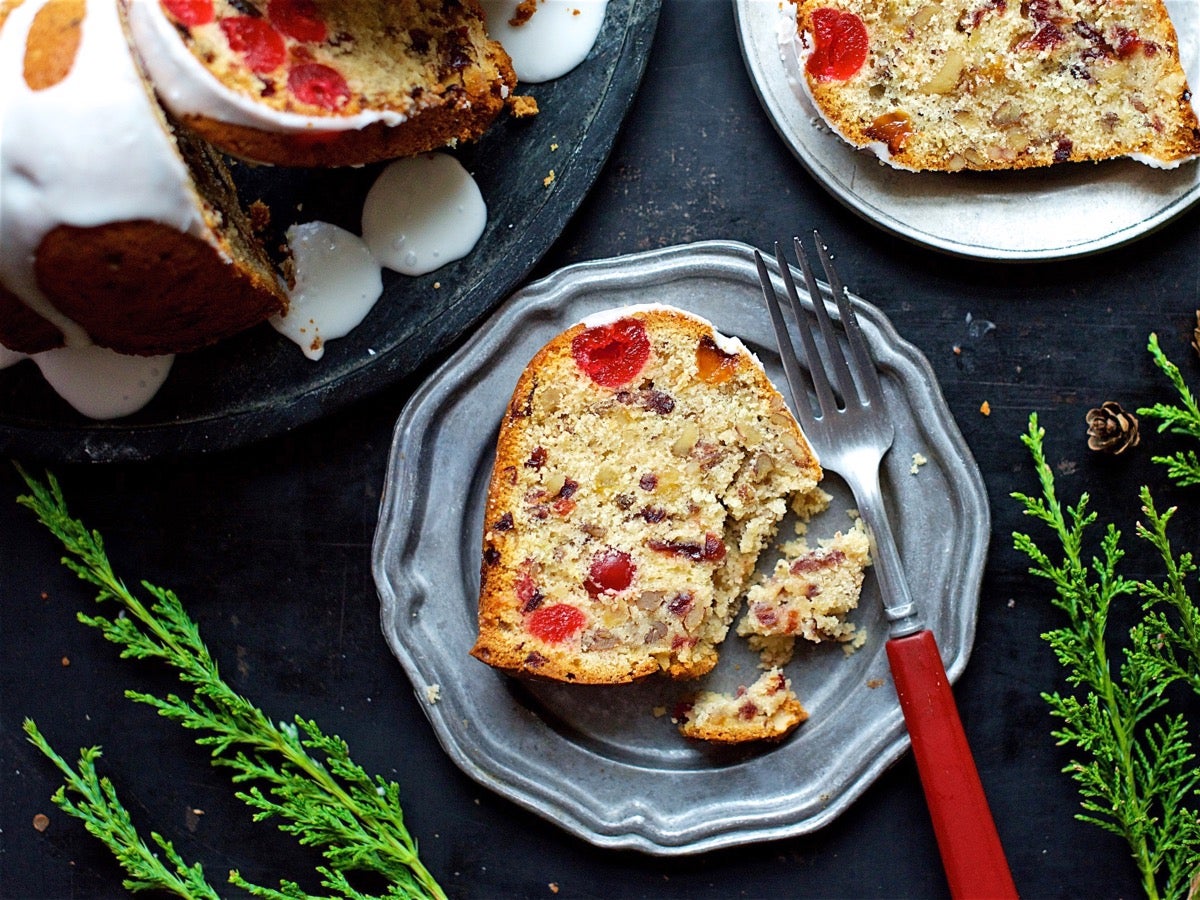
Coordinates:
x,y
816,371
787,351
837,358
868,375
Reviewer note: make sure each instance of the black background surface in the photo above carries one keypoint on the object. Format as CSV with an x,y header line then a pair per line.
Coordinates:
x,y
269,547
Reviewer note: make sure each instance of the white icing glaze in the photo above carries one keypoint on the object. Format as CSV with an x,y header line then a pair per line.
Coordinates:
x,y
187,88
725,343
102,384
337,283
556,39
86,151
422,213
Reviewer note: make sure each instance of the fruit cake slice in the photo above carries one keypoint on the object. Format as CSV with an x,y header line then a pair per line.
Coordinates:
x,y
642,466
324,82
999,84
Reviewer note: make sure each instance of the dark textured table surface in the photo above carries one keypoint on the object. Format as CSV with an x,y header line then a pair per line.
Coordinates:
x,y
269,547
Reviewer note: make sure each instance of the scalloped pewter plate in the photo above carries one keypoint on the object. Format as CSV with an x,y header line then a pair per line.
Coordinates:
x,y
1077,209
597,760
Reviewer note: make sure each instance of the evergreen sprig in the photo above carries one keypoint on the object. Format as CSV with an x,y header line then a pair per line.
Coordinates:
x,y
294,773
1182,418
1134,759
93,799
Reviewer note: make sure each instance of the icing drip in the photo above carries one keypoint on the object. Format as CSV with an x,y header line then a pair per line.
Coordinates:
x,y
337,283
422,213
552,42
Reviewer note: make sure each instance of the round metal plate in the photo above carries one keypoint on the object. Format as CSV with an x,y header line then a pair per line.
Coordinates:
x,y
599,761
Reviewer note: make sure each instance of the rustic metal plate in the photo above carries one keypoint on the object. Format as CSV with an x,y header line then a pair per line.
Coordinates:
x,y
1038,214
259,384
598,761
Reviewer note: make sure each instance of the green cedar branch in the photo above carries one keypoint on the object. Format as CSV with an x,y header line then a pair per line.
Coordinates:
x,y
1133,760
1182,418
303,778
103,815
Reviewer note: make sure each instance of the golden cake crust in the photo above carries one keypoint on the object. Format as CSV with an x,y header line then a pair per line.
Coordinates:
x,y
623,520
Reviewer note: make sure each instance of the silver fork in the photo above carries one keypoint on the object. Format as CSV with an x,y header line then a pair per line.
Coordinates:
x,y
850,438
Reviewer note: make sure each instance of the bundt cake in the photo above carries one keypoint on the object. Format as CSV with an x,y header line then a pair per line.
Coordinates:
x,y
120,225
114,228
998,84
642,466
323,82
767,710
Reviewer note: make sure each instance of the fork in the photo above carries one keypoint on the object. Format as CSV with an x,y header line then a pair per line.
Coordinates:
x,y
851,439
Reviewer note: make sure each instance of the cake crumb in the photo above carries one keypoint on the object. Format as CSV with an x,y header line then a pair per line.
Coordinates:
x,y
549,179
66,661
433,693
918,460
659,711
985,408
522,106
260,216
873,683
523,13
553,887
553,147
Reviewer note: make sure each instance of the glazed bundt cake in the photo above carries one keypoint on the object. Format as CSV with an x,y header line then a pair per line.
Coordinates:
x,y
120,225
999,84
642,466
114,229
324,82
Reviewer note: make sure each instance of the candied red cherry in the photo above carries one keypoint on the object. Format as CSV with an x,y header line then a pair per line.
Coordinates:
x,y
611,570
613,354
319,85
298,19
190,12
260,45
554,624
839,45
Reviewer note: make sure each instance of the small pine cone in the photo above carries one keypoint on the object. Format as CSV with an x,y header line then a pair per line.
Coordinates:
x,y
1196,333
1111,429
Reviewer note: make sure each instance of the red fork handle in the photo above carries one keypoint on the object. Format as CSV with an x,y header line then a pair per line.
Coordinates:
x,y
966,835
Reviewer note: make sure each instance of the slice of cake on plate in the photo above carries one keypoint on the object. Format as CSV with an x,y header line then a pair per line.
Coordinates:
x,y
642,466
998,84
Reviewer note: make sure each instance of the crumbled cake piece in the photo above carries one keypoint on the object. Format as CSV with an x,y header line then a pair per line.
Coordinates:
x,y
999,84
766,710
644,463
808,596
